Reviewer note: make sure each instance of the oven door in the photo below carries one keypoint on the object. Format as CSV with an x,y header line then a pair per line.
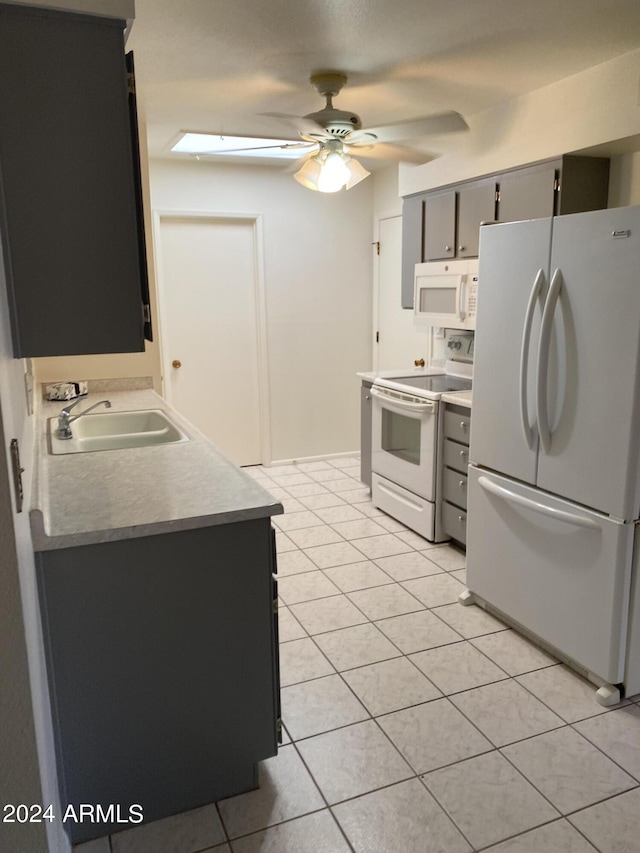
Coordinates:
x,y
403,439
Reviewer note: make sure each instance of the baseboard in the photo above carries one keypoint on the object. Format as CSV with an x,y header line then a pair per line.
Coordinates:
x,y
322,458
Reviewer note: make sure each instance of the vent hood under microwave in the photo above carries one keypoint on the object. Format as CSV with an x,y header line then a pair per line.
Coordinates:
x,y
445,294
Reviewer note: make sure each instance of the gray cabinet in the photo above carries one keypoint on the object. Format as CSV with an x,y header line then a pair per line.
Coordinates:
x,y
570,184
455,460
365,432
445,223
70,207
162,666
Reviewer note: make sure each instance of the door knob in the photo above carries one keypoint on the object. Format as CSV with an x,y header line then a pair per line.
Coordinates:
x,y
419,362
176,363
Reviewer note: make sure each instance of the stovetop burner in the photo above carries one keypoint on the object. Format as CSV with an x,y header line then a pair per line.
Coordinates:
x,y
439,384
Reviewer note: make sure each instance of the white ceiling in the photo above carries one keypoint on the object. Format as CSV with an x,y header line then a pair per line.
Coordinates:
x,y
215,65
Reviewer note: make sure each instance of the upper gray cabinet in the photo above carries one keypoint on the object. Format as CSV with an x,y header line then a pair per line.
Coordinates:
x,y
445,223
70,206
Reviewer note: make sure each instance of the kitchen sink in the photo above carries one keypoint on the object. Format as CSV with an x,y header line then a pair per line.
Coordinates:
x,y
116,431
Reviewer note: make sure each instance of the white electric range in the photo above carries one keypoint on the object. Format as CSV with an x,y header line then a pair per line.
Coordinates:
x,y
404,438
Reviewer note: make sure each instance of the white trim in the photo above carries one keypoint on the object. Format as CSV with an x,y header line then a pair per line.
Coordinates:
x,y
321,458
379,217
260,314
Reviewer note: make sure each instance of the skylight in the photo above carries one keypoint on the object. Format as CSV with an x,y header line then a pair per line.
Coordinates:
x,y
239,146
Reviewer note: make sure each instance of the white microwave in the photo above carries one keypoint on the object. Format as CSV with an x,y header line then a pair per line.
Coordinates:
x,y
446,293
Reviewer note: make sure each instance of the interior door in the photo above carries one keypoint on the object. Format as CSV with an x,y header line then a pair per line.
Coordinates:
x,y
559,570
592,393
399,343
209,329
512,284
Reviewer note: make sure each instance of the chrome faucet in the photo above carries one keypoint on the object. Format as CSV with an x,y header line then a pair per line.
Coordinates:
x,y
65,419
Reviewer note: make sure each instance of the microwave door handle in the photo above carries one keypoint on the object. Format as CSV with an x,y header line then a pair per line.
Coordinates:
x,y
524,358
544,428
462,297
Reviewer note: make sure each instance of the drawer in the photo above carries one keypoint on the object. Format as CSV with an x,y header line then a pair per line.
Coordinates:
x,y
454,487
454,522
456,455
457,426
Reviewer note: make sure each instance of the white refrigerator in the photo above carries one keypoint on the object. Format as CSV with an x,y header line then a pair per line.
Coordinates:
x,y
554,479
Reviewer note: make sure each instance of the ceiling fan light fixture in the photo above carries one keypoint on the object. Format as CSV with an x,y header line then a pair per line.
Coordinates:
x,y
334,173
309,173
357,172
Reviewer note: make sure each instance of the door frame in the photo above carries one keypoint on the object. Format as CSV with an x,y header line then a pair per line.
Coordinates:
x,y
382,215
159,214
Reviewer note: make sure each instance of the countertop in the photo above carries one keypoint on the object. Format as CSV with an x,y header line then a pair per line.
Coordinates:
x,y
460,398
84,498
370,375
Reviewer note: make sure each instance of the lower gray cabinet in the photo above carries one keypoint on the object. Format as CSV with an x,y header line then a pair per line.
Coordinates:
x,y
162,666
457,425
365,433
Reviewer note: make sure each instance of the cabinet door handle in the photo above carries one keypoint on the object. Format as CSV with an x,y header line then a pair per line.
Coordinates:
x,y
461,484
463,424
463,453
461,248
447,248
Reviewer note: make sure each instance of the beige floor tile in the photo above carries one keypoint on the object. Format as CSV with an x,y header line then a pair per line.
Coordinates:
x,y
390,685
617,734
415,632
346,486
403,567
556,837
357,576
316,502
368,509
309,537
294,562
283,543
297,479
460,575
357,646
415,540
296,520
358,529
332,513
382,546
506,712
288,626
457,667
448,557
286,791
329,474
325,614
613,826
433,735
189,832
564,691
293,589
302,660
515,654
319,706
435,590
568,770
345,462
309,467
308,489
391,525
314,833
352,761
488,799
469,621
384,601
292,505
399,818
338,554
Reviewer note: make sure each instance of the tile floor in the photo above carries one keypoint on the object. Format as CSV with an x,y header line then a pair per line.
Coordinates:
x,y
413,724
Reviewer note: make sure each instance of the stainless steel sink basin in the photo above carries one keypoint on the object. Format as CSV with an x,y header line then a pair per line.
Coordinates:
x,y
115,431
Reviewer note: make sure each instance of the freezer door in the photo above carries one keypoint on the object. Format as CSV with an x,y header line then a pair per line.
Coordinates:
x,y
512,286
590,384
560,571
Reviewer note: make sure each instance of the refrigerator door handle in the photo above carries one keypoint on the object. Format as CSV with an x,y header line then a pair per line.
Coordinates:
x,y
524,357
557,514
544,429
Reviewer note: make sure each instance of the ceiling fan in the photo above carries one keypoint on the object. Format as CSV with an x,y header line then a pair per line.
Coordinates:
x,y
339,133
335,135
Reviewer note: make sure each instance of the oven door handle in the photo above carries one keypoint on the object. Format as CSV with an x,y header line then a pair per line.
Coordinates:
x,y
407,405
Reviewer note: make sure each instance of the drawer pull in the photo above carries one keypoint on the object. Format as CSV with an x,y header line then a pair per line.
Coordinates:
x,y
461,519
463,424
461,484
463,453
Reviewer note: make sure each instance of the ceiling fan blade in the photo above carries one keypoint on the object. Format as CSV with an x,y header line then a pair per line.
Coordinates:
x,y
305,126
289,146
386,151
448,122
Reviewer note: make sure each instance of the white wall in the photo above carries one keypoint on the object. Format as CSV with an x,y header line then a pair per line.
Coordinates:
x,y
588,109
318,268
624,180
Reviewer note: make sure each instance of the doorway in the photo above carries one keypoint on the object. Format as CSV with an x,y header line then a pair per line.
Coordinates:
x,y
212,323
398,342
